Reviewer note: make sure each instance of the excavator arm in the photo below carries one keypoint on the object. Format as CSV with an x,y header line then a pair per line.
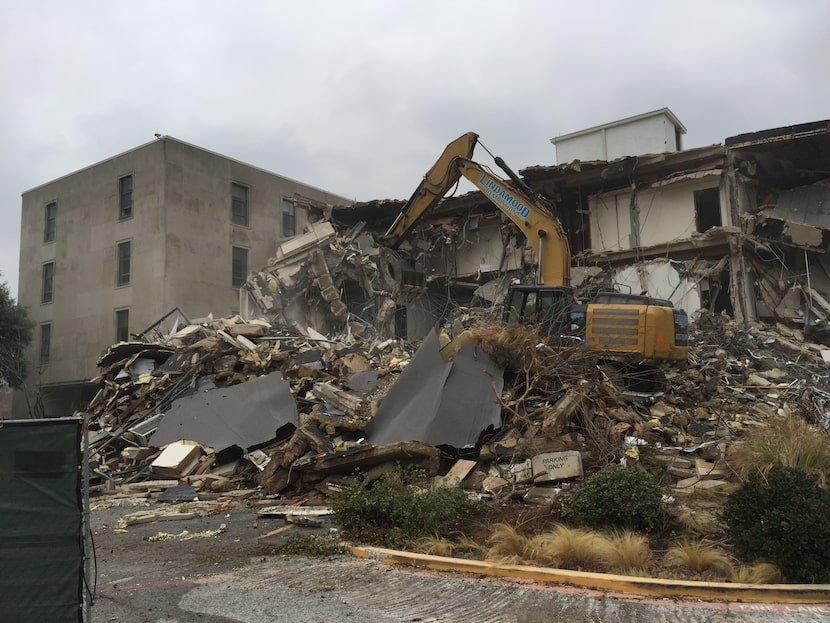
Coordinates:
x,y
438,180
540,227
531,216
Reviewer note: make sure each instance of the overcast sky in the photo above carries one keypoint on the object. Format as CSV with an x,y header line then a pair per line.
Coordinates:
x,y
360,97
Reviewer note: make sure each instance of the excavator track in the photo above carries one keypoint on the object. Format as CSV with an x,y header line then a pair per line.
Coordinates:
x,y
639,379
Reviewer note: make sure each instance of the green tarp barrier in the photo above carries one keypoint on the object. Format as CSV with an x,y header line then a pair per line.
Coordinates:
x,y
41,511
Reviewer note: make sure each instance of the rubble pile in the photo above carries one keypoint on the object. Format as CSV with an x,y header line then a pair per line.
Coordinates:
x,y
218,391
326,383
232,404
338,282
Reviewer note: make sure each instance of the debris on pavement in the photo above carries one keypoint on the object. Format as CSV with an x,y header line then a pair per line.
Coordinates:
x,y
185,535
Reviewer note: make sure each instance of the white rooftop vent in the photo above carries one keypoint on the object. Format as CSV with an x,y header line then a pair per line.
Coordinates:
x,y
653,132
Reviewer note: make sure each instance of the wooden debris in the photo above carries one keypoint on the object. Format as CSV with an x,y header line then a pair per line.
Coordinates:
x,y
458,472
295,511
279,530
558,417
340,398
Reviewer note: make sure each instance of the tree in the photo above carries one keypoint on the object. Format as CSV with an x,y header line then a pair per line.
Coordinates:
x,y
15,335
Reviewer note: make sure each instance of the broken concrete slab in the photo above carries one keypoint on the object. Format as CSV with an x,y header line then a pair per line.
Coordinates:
x,y
365,382
495,485
458,472
318,233
694,483
542,496
519,472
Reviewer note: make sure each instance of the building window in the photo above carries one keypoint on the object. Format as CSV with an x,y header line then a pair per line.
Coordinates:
x,y
707,209
239,268
122,325
123,263
125,192
51,220
289,222
48,284
45,342
239,204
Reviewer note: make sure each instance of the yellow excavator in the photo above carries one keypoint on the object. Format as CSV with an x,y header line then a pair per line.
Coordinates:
x,y
635,327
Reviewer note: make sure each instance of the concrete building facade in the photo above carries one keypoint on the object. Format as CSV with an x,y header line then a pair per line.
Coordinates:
x,y
109,250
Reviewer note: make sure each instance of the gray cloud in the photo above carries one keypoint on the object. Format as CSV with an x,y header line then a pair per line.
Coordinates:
x,y
360,97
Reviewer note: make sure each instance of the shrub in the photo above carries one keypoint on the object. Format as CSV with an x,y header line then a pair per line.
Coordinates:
x,y
785,521
397,509
310,545
616,497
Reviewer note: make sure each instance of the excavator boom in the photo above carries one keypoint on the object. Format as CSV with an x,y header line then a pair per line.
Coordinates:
x,y
528,212
438,180
540,227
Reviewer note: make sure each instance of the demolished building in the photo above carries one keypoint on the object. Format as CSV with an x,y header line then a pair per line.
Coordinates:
x,y
733,233
739,228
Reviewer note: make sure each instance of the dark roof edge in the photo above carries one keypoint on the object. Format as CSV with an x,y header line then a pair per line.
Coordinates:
x,y
779,134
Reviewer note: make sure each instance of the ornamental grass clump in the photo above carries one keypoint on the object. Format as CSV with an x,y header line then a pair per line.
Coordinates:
x,y
626,553
698,556
783,442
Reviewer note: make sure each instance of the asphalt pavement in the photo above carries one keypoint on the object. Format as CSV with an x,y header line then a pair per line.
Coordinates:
x,y
220,569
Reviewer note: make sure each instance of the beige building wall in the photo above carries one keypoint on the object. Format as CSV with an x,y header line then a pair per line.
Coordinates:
x,y
181,237
662,215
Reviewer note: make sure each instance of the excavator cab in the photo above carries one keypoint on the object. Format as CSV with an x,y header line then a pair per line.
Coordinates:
x,y
544,306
